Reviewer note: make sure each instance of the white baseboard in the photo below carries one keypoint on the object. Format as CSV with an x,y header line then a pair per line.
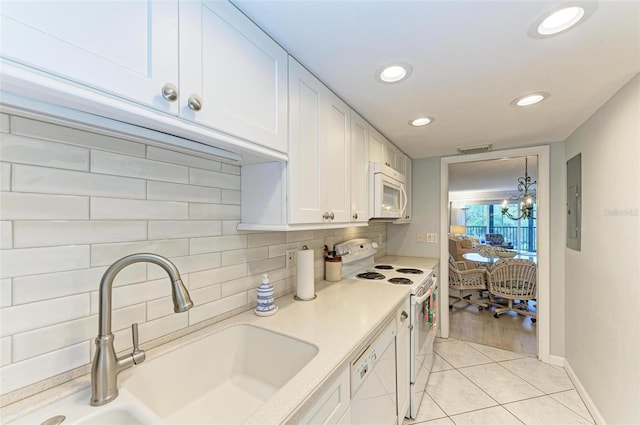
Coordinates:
x,y
557,360
593,410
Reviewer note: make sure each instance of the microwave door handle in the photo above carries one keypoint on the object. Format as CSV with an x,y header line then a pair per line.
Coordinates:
x,y
406,200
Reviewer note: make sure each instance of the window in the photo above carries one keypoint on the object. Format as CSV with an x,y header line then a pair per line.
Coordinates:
x,y
486,218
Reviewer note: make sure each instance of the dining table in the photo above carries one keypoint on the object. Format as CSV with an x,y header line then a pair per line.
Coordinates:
x,y
477,258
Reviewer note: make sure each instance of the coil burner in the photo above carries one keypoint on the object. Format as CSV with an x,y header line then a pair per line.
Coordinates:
x,y
384,267
410,271
401,281
371,276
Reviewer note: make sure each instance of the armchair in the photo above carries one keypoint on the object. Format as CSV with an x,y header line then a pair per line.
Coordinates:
x,y
513,280
463,280
496,239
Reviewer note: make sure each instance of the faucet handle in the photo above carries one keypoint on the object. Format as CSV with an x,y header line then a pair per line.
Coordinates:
x,y
137,354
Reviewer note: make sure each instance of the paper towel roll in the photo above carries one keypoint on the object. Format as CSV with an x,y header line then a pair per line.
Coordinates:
x,y
305,288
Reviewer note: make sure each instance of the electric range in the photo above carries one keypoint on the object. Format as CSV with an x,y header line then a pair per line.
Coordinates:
x,y
358,261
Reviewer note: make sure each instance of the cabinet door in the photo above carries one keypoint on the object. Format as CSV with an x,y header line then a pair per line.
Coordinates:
x,y
306,137
336,160
236,70
376,145
359,168
402,361
129,49
389,154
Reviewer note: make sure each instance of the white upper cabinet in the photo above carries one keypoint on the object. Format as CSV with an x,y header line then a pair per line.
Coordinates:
x,y
233,76
129,49
336,159
377,143
319,151
306,142
390,155
359,168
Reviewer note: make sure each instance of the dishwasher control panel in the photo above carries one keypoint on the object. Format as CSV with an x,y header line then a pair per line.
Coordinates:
x,y
362,366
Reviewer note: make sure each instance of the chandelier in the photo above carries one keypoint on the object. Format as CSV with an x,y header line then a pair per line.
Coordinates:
x,y
525,199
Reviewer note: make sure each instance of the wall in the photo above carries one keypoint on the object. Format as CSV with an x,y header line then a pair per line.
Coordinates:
x,y
425,212
72,202
602,290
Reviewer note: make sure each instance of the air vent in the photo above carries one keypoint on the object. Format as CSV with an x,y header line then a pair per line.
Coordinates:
x,y
475,149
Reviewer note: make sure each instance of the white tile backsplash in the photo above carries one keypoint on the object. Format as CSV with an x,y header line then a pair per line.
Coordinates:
x,y
128,209
30,206
5,351
184,229
43,130
6,234
4,123
31,316
105,254
27,178
24,150
41,287
30,371
29,261
72,201
5,176
125,165
182,192
172,157
29,234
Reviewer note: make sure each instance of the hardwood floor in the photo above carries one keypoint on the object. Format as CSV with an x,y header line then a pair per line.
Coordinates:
x,y
510,331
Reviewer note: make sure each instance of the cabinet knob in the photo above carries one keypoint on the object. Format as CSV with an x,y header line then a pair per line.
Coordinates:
x,y
194,102
326,216
170,92
332,215
403,316
355,216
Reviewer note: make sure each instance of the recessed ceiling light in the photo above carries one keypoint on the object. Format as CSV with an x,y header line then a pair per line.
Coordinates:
x,y
530,99
394,72
562,18
419,122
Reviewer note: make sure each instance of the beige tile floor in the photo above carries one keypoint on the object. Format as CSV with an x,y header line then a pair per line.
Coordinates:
x,y
510,331
477,384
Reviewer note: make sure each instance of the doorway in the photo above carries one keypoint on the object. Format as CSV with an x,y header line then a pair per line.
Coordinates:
x,y
543,237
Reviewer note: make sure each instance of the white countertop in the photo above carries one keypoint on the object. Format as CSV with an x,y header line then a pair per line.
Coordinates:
x,y
343,317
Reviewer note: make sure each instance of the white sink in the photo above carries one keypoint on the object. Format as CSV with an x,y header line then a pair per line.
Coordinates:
x,y
222,378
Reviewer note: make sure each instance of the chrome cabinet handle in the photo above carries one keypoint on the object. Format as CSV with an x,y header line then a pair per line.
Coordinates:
x,y
170,92
325,216
194,102
355,216
332,215
403,316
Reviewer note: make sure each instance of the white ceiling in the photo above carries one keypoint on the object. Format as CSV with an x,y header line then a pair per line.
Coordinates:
x,y
470,60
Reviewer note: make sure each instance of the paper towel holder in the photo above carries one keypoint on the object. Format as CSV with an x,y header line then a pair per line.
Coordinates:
x,y
295,297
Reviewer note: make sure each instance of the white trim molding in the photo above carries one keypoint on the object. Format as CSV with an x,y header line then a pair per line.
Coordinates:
x,y
543,307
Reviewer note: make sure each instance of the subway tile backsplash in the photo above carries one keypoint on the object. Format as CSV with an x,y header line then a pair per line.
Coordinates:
x,y
73,200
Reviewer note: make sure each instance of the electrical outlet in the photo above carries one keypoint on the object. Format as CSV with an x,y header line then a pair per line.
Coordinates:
x,y
419,238
432,237
289,258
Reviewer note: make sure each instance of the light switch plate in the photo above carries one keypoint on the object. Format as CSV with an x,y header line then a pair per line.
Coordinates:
x,y
432,237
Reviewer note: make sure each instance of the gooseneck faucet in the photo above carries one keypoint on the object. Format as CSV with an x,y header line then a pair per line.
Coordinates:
x,y
106,366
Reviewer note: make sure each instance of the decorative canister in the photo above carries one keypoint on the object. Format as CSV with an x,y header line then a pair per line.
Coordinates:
x,y
265,305
333,269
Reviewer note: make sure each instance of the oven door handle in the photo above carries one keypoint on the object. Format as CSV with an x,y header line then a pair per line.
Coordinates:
x,y
420,300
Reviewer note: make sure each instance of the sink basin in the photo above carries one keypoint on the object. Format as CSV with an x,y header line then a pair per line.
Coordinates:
x,y
115,416
222,378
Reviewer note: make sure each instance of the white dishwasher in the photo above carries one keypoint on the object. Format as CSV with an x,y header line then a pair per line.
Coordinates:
x,y
373,381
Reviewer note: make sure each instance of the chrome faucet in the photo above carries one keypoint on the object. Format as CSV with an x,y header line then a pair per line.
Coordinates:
x,y
106,366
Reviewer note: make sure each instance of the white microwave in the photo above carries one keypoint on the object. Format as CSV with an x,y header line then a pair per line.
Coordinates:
x,y
387,192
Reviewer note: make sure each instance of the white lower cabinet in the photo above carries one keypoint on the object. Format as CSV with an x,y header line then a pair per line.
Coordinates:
x,y
332,406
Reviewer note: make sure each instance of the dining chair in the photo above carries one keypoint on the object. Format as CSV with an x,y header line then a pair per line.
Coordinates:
x,y
513,280
462,279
